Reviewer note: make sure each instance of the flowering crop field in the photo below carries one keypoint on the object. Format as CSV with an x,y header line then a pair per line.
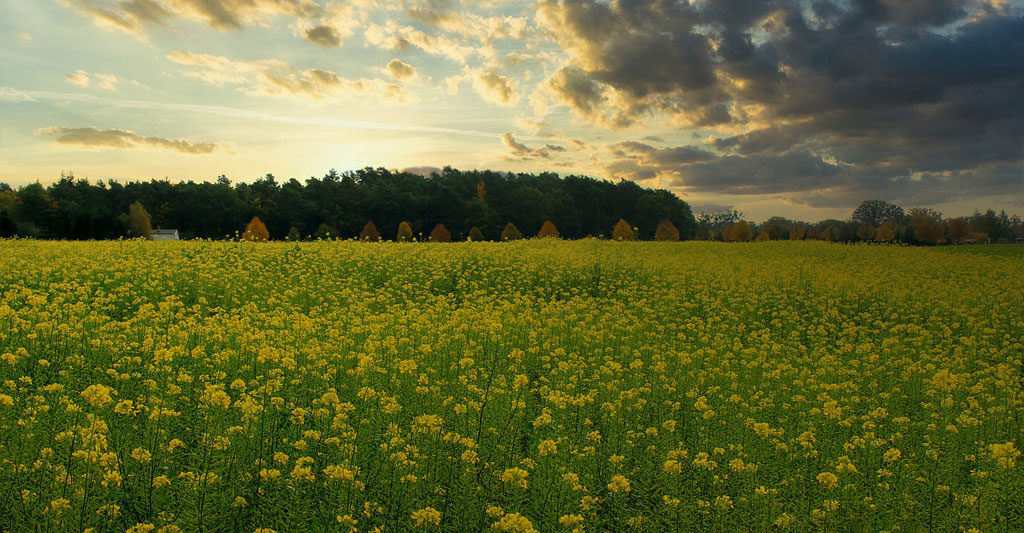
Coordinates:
x,y
541,385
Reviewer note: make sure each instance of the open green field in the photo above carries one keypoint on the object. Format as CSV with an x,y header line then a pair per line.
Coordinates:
x,y
541,385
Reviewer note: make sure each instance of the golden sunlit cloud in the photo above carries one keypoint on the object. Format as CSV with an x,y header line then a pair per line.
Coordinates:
x,y
82,78
136,16
495,88
522,151
400,70
92,137
275,77
396,38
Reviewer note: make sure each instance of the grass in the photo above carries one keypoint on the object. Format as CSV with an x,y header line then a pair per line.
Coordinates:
x,y
541,385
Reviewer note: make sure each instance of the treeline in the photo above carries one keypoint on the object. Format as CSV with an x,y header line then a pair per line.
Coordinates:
x,y
339,205
871,221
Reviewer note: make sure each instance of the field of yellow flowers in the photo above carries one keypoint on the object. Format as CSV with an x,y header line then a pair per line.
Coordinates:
x,y
541,385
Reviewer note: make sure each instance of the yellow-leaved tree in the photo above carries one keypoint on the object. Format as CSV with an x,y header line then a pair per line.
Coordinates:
x,y
738,232
369,232
256,231
666,231
511,233
404,232
548,230
138,221
440,234
763,236
623,231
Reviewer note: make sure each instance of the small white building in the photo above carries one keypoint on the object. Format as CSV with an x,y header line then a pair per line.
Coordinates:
x,y
164,234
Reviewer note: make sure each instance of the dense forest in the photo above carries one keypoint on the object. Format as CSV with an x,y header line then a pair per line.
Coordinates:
x,y
469,204
340,204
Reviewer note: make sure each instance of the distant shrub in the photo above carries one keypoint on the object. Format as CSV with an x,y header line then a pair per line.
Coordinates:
x,y
293,234
404,232
476,235
1003,240
884,232
256,231
623,231
369,233
326,231
666,231
763,236
511,233
440,234
548,230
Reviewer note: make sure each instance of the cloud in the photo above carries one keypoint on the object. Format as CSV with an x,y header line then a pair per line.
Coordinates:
x,y
496,88
805,98
79,78
522,151
12,95
275,77
24,37
93,137
324,26
647,55
329,28
422,171
400,70
397,38
323,35
458,18
639,161
82,78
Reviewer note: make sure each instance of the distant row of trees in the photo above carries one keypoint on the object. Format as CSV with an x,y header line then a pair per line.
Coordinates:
x,y
871,221
375,204
256,231
338,205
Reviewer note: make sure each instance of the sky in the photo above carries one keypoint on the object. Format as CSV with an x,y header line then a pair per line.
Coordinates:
x,y
773,107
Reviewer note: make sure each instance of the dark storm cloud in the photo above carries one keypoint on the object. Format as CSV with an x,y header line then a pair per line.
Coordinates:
x,y
889,98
